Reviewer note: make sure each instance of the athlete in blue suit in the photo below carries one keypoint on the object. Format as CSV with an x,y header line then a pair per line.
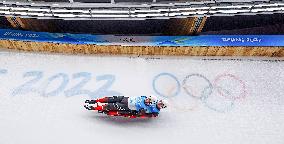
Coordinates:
x,y
140,105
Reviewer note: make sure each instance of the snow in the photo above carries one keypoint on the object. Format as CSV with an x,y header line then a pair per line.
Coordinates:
x,y
220,101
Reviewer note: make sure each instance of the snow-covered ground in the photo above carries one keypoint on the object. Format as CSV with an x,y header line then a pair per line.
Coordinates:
x,y
211,101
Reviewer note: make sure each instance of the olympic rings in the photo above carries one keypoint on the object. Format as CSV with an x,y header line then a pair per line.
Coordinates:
x,y
206,92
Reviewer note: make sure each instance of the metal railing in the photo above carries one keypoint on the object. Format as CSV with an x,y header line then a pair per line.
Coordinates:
x,y
134,11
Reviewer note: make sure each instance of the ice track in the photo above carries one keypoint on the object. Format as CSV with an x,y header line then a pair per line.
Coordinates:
x,y
212,101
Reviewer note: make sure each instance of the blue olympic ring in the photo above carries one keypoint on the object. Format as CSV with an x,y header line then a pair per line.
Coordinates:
x,y
170,75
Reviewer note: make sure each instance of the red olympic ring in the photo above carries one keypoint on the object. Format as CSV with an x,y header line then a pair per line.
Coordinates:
x,y
244,91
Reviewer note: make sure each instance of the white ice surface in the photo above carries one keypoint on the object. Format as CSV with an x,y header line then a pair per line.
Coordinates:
x,y
246,105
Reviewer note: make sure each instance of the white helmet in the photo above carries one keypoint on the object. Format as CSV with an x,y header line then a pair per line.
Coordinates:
x,y
164,103
153,99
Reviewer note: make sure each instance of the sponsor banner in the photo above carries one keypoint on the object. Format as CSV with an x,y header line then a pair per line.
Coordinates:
x,y
201,40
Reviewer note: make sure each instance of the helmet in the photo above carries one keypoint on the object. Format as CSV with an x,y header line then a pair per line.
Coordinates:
x,y
164,103
153,99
